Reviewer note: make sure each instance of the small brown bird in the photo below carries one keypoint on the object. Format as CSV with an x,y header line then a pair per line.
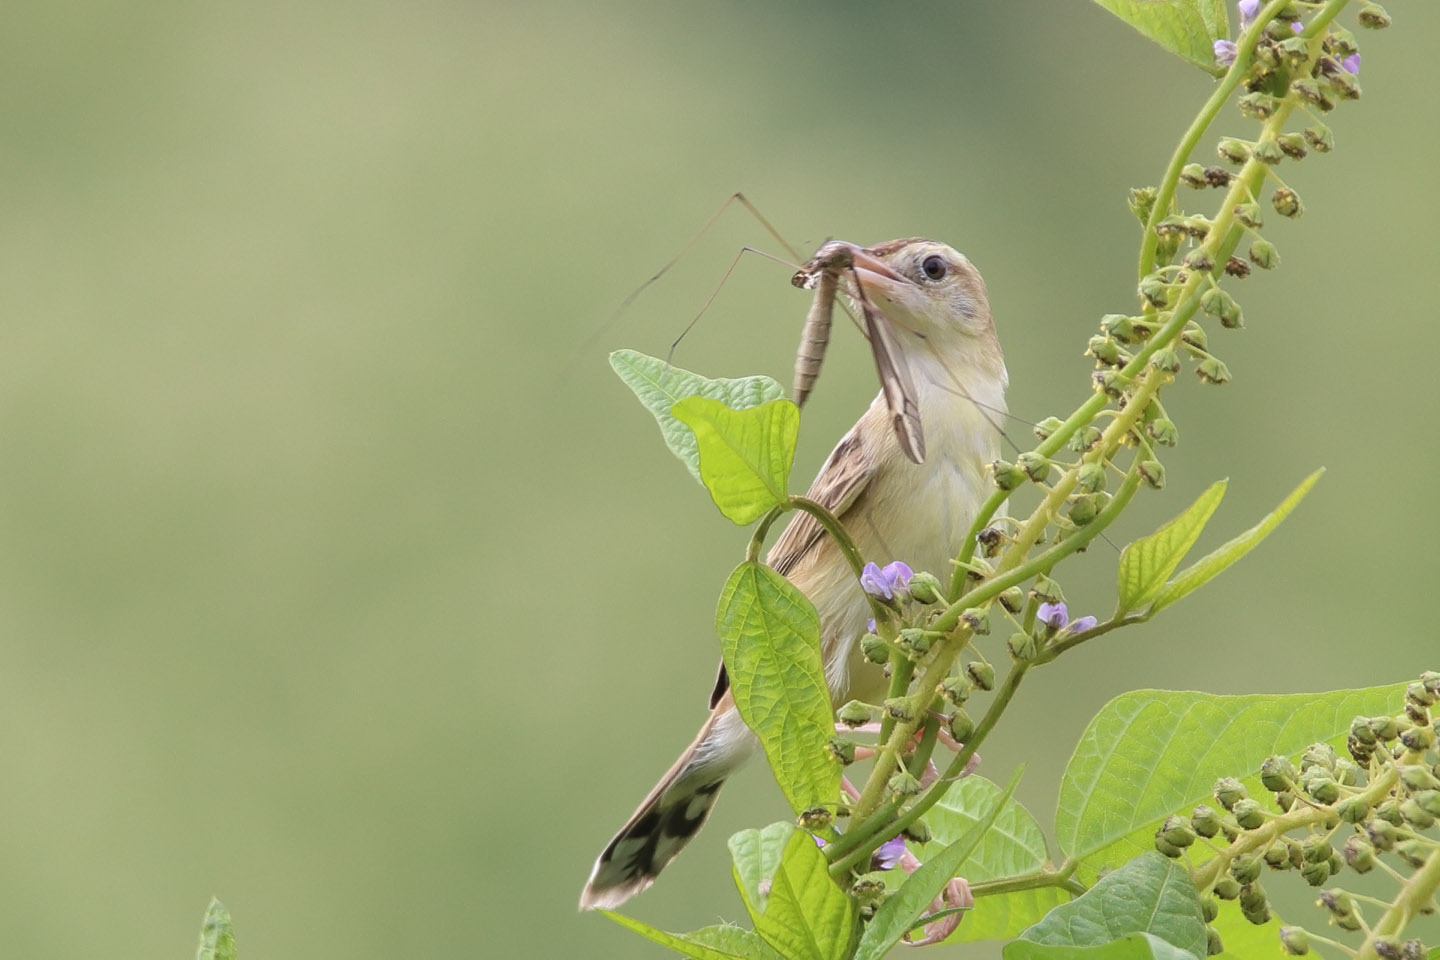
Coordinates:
x,y
936,351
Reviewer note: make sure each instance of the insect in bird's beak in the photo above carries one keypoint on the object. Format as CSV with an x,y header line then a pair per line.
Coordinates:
x,y
823,273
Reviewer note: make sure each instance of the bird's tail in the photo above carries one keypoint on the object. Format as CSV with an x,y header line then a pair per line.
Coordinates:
x,y
672,813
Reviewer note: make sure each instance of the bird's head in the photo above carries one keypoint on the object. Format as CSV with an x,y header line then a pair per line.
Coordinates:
x,y
924,287
923,302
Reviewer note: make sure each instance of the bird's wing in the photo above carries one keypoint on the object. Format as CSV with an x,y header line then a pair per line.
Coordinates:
x,y
836,488
838,485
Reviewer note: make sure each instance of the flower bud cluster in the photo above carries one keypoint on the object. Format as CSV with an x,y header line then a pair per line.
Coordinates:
x,y
1289,68
1326,812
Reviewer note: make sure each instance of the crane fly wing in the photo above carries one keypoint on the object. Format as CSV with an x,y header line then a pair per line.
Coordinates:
x,y
896,384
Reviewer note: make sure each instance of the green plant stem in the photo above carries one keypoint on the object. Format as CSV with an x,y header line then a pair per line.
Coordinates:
x,y
1001,582
929,733
832,526
902,668
842,539
967,549
888,757
1061,876
871,823
757,538
859,845
871,818
1415,893
1316,28
1062,644
1165,195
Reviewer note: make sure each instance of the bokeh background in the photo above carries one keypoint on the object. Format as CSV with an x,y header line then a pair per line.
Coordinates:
x,y
340,578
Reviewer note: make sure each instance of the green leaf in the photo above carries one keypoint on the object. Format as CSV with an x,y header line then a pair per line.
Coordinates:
x,y
770,641
686,944
756,855
1013,845
1150,894
1208,567
1217,22
1147,563
745,455
805,915
660,386
1137,946
728,938
1243,940
1187,28
1150,753
1004,915
217,934
898,914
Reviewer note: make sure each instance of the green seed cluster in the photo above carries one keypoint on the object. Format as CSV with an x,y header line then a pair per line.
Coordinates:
x,y
1323,813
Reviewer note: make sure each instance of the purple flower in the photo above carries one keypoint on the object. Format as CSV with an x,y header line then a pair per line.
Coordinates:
x,y
1296,26
819,841
873,582
1054,615
888,854
900,572
1248,10
1351,64
870,625
1225,52
885,583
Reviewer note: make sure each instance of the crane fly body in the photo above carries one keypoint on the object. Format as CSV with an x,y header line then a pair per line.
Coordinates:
x,y
822,273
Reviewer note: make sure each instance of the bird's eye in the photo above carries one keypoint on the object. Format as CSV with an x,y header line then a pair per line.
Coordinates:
x,y
934,267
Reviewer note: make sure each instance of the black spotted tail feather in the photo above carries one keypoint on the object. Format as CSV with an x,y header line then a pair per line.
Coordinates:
x,y
670,816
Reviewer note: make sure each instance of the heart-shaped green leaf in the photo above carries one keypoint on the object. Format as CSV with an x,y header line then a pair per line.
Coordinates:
x,y
660,386
745,455
1151,753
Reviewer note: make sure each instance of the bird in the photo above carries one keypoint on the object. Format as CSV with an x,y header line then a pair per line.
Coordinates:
x,y
942,372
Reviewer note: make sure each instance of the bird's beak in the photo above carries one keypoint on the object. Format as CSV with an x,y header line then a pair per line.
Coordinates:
x,y
874,273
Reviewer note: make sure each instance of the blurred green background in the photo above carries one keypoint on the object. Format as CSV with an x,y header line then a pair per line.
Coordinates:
x,y
343,580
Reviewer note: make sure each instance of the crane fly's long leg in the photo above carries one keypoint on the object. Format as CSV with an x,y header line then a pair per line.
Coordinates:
x,y
716,292
714,218
816,335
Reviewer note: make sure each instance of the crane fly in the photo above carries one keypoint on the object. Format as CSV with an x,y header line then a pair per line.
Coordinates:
x,y
822,273
829,272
